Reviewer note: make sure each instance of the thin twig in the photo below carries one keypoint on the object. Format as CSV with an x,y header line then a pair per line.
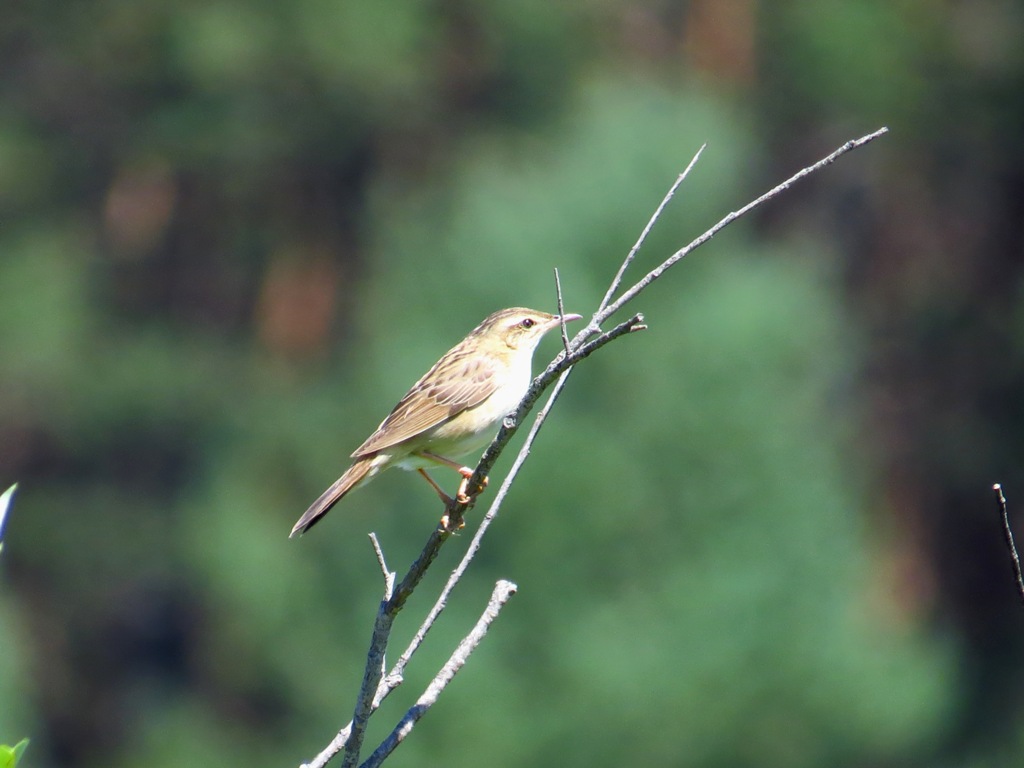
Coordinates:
x,y
1008,534
503,591
561,312
617,280
389,576
658,271
5,503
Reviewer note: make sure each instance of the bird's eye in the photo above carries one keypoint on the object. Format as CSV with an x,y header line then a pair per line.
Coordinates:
x,y
528,323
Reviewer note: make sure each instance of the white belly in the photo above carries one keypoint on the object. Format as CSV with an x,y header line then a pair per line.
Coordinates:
x,y
474,428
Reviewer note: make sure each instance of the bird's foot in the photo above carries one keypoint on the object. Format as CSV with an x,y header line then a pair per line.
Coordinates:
x,y
446,524
462,496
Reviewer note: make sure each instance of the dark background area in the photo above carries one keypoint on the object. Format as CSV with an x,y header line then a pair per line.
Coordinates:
x,y
761,533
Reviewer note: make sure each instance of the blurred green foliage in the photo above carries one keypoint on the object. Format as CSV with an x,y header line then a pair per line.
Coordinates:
x,y
234,233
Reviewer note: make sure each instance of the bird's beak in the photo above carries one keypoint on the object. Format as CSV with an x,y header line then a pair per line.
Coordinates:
x,y
556,321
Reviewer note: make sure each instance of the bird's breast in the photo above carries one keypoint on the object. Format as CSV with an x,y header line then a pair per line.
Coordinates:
x,y
471,429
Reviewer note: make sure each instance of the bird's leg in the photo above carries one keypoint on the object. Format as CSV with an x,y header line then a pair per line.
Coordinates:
x,y
444,496
461,496
449,502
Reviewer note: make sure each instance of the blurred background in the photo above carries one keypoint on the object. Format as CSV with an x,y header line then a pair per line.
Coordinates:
x,y
762,533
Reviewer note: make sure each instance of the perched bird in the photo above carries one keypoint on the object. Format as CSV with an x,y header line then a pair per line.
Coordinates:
x,y
452,410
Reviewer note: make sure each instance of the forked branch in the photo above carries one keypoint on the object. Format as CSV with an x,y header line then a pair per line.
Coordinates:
x,y
377,685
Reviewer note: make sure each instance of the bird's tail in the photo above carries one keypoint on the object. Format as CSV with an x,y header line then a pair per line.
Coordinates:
x,y
352,477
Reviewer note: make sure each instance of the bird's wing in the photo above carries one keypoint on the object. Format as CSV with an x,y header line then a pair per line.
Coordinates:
x,y
458,381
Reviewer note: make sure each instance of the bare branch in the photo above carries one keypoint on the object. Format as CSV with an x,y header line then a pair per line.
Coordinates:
x,y
1008,535
503,591
541,383
375,687
474,545
396,676
561,312
375,665
336,745
658,271
617,280
373,675
389,576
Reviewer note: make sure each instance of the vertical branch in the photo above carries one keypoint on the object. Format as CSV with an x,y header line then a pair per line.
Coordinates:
x,y
561,313
5,504
375,661
1008,535
389,576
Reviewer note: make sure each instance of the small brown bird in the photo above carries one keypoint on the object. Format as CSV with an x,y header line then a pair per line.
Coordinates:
x,y
452,410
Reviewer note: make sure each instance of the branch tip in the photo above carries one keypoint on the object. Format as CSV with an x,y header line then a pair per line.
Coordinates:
x,y
389,576
617,280
561,313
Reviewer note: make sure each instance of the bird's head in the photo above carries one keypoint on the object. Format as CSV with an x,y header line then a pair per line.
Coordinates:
x,y
518,328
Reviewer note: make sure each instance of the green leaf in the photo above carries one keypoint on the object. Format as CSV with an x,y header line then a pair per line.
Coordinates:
x,y
9,756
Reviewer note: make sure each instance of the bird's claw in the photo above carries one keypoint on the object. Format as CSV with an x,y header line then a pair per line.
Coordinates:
x,y
446,523
462,496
